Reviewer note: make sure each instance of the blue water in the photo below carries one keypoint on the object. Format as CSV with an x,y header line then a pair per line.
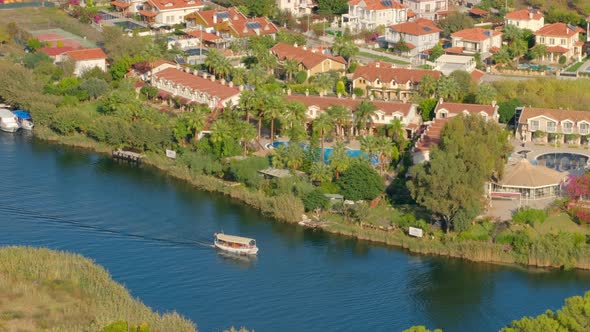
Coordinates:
x,y
563,161
328,152
533,66
151,233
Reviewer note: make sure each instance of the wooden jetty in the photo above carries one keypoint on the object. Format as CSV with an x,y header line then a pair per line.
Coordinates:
x,y
129,156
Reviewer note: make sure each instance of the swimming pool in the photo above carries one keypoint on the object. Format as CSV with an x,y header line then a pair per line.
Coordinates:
x,y
563,161
534,67
128,25
328,151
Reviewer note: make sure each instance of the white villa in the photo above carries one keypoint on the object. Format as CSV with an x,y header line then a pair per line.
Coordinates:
x,y
369,14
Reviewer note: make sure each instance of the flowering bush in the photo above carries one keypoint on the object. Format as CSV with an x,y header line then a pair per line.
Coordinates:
x,y
74,2
577,187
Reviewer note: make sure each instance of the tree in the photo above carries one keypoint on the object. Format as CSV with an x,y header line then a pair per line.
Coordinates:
x,y
293,119
426,107
465,83
332,7
485,94
436,52
454,22
245,133
341,116
578,187
401,46
360,182
502,56
260,7
427,86
320,172
291,66
345,47
274,108
340,88
369,145
150,92
94,87
314,200
539,51
213,60
339,159
448,89
323,126
451,184
34,44
363,115
324,82
32,60
506,109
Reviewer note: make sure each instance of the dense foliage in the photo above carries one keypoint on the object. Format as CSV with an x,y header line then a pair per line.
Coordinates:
x,y
360,182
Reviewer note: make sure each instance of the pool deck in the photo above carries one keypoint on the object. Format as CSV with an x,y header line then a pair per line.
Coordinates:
x,y
539,149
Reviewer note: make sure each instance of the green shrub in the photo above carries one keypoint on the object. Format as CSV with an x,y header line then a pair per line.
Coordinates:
x,y
301,77
562,60
123,326
358,92
289,186
360,182
315,199
246,170
201,163
478,232
303,88
68,120
353,66
529,216
520,242
329,188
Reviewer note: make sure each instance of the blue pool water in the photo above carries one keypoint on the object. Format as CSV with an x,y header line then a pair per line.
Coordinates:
x,y
328,151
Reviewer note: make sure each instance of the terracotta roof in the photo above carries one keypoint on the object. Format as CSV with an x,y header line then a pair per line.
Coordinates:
x,y
198,83
378,4
555,114
54,51
410,14
253,27
323,103
175,4
120,4
458,108
494,49
145,66
579,43
478,12
475,34
213,16
308,58
417,28
557,30
207,36
525,15
523,174
385,73
431,136
147,13
87,54
477,75
557,49
444,12
454,50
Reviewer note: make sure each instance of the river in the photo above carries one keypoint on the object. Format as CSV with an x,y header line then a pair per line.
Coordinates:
x,y
153,235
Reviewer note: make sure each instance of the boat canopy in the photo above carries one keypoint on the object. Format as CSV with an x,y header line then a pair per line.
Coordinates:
x,y
235,239
23,115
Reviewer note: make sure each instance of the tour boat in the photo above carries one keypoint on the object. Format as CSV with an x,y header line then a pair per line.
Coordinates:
x,y
24,119
235,244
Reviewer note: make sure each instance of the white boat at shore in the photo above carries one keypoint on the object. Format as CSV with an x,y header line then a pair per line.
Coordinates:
x,y
235,244
8,121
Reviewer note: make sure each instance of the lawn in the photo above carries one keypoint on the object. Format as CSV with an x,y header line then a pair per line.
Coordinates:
x,y
576,65
382,58
560,222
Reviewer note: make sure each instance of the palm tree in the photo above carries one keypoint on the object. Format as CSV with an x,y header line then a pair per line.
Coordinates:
x,y
213,59
320,172
511,33
427,86
220,133
448,88
396,131
223,68
339,160
341,116
369,145
291,67
324,82
251,102
502,56
256,75
267,60
386,152
274,108
245,133
294,113
196,121
322,126
346,48
485,94
238,75
363,115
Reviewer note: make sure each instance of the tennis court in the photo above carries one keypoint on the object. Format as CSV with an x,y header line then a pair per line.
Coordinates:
x,y
53,36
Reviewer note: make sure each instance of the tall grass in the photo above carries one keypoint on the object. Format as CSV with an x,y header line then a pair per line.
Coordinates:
x,y
41,289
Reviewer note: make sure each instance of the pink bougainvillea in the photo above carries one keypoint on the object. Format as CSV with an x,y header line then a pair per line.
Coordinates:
x,y
74,2
96,18
578,187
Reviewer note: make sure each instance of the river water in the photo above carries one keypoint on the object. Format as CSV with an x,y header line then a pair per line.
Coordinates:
x,y
153,234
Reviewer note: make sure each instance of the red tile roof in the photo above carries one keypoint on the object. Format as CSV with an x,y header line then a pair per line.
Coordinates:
x,y
410,14
477,75
417,28
475,34
236,22
207,36
87,54
478,12
55,51
120,4
377,4
525,15
557,30
175,4
458,108
148,13
323,103
555,114
145,66
208,16
454,50
307,58
557,49
431,135
494,49
242,28
198,83
385,73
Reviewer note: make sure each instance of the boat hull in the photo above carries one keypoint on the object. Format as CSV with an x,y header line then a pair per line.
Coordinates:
x,y
8,129
239,251
26,125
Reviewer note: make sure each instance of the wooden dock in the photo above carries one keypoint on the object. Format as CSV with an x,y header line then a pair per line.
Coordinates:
x,y
129,156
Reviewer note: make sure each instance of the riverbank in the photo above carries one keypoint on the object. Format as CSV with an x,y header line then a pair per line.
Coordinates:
x,y
42,289
282,208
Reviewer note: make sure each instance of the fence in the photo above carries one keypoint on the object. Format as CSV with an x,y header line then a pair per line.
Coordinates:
x,y
11,5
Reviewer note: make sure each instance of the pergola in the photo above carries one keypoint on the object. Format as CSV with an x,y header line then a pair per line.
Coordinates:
x,y
524,180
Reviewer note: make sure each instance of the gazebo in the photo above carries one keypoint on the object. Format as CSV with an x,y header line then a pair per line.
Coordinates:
x,y
524,180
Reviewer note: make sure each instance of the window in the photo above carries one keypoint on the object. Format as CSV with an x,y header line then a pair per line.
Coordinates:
x,y
541,39
584,128
551,41
517,23
551,126
534,125
562,41
567,127
423,38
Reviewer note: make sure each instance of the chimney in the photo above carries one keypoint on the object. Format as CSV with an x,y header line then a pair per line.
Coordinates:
x,y
212,78
377,64
313,50
295,45
339,95
371,97
204,75
404,100
222,81
530,14
195,72
321,93
215,18
440,101
304,48
493,103
177,66
230,84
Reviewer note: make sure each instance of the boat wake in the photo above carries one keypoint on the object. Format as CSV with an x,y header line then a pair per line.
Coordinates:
x,y
35,216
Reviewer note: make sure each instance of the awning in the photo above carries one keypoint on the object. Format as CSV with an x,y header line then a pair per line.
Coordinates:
x,y
147,13
120,4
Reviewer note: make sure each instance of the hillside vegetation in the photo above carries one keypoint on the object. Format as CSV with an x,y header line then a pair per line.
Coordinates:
x,y
45,290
